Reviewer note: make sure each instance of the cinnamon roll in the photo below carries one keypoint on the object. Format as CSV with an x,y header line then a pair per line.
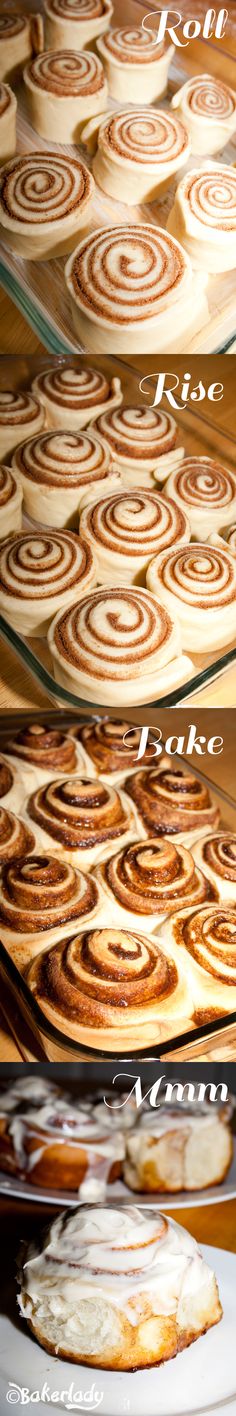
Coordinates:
x,y
40,751
44,198
118,646
147,881
56,1141
21,416
62,89
41,572
71,24
203,942
171,801
20,36
227,539
11,793
111,990
81,820
8,107
15,838
111,748
203,217
130,287
126,529
208,109
73,397
135,63
56,469
179,1147
117,1288
43,900
141,148
216,856
205,491
197,584
142,444
10,503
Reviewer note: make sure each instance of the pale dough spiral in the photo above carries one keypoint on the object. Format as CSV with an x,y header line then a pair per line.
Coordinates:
x,y
226,539
197,583
133,46
55,471
10,503
71,24
171,801
203,217
125,529
143,147
41,571
114,645
142,443
8,108
205,491
21,415
43,199
63,88
75,395
216,856
208,108
66,73
149,880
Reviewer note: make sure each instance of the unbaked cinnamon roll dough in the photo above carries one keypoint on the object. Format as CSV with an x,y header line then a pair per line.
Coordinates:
x,y
73,397
39,572
8,107
118,646
206,492
10,503
20,36
208,109
63,88
56,470
203,217
126,529
142,443
135,65
197,584
45,197
21,417
138,151
71,24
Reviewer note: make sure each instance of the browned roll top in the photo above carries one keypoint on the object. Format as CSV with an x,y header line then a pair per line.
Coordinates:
x,y
104,742
79,813
45,747
6,777
15,838
155,876
41,892
171,800
91,979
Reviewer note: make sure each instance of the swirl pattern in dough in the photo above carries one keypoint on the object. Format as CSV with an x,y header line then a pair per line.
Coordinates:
x,y
171,801
114,645
42,751
226,538
103,743
205,941
149,880
21,416
67,74
144,146
205,491
42,900
41,571
203,217
71,24
197,583
68,463
5,100
128,280
83,819
133,45
63,88
15,838
216,856
208,109
126,529
10,503
75,394
141,442
6,777
8,109
43,199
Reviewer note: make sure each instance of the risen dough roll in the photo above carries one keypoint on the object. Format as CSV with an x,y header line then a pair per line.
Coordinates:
x,y
42,900
44,198
216,856
10,503
80,820
203,941
171,801
118,646
40,752
208,109
73,397
147,881
62,89
124,531
71,24
21,416
135,65
8,107
142,444
197,584
138,151
41,572
56,470
205,491
203,217
227,539
132,287
20,36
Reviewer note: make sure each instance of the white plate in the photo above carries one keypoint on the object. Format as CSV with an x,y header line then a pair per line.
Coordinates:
x,y
199,1381
119,1193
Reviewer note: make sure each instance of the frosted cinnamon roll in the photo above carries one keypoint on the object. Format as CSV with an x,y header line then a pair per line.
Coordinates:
x,y
44,198
203,941
41,572
203,217
43,899
57,469
179,1147
73,397
135,64
147,881
226,539
20,36
118,646
82,820
208,109
132,287
111,748
8,107
126,529
21,416
71,24
111,989
15,838
10,503
62,89
205,491
139,150
60,1144
11,793
41,752
171,801
197,584
142,444
216,856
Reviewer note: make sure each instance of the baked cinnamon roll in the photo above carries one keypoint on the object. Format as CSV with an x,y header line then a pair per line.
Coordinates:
x,y
208,109
10,503
111,748
63,88
15,838
59,1143
57,469
43,899
40,752
203,940
179,1147
41,572
171,801
203,217
142,444
8,107
126,529
133,287
119,646
147,881
71,24
11,791
197,585
111,990
117,1288
20,36
216,856
73,397
82,820
135,63
141,148
206,492
45,197
21,416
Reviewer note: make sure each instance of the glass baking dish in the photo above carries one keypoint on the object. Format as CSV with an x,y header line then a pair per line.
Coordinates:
x,y
38,288
39,1040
